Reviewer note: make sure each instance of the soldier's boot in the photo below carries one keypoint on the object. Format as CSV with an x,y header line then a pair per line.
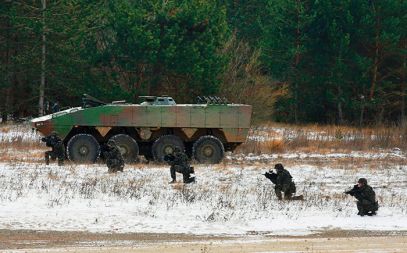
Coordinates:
x,y
60,162
190,180
173,175
173,179
301,197
287,197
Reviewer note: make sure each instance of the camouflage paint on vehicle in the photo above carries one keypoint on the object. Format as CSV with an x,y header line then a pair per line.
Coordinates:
x,y
231,121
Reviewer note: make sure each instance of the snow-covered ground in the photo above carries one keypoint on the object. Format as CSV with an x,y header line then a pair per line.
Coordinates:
x,y
231,198
225,200
19,133
392,154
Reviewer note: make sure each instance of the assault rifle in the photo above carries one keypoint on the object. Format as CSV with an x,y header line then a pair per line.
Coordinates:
x,y
50,140
169,158
355,192
271,176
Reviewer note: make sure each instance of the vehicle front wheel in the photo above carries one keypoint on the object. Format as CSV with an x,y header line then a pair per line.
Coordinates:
x,y
165,145
83,148
208,149
128,147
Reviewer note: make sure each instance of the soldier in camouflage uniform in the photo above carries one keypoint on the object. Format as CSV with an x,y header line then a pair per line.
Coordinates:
x,y
114,159
179,163
283,183
57,149
366,204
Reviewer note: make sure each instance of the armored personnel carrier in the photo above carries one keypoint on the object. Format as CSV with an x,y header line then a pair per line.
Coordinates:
x,y
205,130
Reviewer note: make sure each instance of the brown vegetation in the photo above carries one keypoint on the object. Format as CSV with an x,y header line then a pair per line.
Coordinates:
x,y
277,138
16,143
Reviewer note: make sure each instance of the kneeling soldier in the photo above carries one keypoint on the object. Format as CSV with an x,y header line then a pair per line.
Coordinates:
x,y
57,148
114,159
179,163
283,183
366,204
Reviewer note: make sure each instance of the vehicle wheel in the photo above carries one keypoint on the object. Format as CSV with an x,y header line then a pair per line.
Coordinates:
x,y
128,147
208,149
83,148
165,145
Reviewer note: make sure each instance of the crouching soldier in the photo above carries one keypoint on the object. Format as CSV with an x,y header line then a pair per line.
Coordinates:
x,y
179,163
57,148
113,157
283,183
366,198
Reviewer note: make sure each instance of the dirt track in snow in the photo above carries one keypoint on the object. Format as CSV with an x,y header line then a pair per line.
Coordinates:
x,y
329,241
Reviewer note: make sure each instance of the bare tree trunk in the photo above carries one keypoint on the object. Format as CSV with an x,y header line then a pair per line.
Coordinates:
x,y
340,113
297,60
6,100
362,111
403,93
44,40
376,55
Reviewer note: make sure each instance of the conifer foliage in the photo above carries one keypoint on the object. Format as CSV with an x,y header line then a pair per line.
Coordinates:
x,y
327,61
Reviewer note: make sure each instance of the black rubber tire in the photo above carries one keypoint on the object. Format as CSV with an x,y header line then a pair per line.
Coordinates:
x,y
165,145
128,147
83,148
208,149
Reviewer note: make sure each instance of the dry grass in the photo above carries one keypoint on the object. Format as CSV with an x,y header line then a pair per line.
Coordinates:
x,y
18,143
277,138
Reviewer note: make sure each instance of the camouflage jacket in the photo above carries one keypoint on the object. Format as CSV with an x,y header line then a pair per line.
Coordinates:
x,y
54,142
283,180
180,159
366,195
112,153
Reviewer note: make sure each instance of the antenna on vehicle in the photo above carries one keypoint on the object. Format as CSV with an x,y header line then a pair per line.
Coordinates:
x,y
89,101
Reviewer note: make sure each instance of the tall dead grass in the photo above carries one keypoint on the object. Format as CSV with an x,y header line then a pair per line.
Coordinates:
x,y
16,140
277,138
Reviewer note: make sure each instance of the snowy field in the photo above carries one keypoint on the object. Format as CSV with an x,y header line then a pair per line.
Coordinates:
x,y
232,198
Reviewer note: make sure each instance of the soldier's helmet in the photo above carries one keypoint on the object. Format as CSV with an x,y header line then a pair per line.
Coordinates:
x,y
53,133
362,181
278,166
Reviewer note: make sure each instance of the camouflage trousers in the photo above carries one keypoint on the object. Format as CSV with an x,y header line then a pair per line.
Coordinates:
x,y
366,208
54,155
114,165
185,171
288,192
